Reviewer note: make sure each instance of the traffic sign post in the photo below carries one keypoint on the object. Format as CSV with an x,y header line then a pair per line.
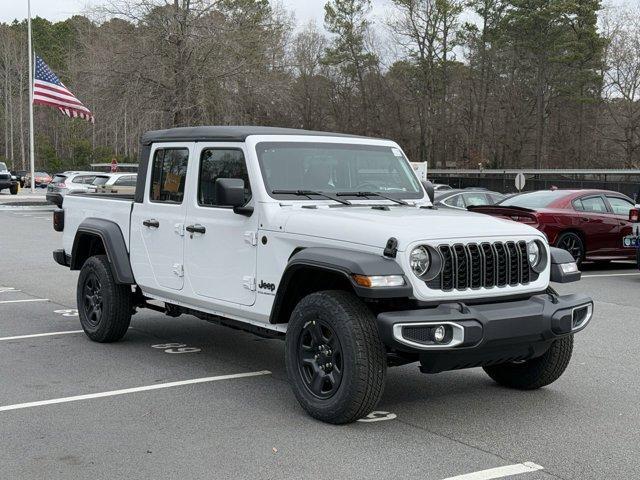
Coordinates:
x,y
520,181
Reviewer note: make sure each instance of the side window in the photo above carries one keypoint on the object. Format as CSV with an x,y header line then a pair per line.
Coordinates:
x,y
620,206
594,205
455,201
168,175
80,179
472,199
577,205
220,163
126,181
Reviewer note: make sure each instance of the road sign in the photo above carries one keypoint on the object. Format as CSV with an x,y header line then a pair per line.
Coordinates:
x,y
520,181
114,165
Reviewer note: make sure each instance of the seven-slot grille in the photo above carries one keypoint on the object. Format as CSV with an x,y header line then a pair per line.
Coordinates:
x,y
483,265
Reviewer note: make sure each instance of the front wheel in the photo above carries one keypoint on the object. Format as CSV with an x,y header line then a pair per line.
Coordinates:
x,y
537,372
335,360
104,306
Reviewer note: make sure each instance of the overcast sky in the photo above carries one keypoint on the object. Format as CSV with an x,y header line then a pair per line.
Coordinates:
x,y
305,10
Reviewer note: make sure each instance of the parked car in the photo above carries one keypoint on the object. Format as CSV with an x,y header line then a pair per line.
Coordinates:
x,y
7,180
589,224
122,183
461,199
441,186
73,181
287,233
41,179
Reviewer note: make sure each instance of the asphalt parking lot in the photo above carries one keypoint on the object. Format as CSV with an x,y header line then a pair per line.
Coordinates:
x,y
183,398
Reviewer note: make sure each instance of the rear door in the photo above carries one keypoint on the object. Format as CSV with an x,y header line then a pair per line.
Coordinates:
x,y
220,259
157,224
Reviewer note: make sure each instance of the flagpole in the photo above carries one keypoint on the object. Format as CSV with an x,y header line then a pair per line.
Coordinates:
x,y
31,141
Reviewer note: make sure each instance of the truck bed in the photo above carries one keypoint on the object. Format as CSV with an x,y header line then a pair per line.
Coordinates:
x,y
78,207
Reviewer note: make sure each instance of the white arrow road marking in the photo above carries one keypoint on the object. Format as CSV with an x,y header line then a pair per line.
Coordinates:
x,y
499,472
26,300
34,335
125,391
378,417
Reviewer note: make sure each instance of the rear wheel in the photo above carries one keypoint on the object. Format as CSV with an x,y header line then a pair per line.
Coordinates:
x,y
572,243
335,360
104,306
537,372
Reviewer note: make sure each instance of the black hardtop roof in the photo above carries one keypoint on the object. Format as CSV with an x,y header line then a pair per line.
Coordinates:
x,y
227,134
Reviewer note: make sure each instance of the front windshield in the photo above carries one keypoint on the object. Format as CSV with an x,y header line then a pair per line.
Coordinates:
x,y
336,168
540,199
3,167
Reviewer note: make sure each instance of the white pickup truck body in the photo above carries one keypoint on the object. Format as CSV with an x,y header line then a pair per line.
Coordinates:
x,y
239,262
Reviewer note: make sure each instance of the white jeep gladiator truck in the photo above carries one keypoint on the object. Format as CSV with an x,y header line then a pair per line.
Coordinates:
x,y
330,242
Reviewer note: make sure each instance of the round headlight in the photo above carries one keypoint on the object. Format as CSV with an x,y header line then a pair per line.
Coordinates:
x,y
419,260
533,253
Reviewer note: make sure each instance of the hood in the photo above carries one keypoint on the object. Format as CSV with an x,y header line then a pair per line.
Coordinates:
x,y
373,227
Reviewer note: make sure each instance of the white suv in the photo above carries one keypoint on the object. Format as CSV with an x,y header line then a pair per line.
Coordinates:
x,y
71,181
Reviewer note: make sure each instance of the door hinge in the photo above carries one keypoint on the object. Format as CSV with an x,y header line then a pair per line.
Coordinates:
x,y
178,269
251,238
249,283
179,229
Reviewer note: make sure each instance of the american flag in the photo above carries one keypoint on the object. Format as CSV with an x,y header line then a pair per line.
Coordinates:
x,y
49,90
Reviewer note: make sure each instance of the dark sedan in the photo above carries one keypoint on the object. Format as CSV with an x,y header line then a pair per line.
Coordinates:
x,y
461,199
590,224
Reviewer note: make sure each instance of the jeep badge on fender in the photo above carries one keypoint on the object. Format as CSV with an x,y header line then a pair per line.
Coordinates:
x,y
369,275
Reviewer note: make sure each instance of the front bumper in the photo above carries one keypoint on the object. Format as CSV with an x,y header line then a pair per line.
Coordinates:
x,y
479,335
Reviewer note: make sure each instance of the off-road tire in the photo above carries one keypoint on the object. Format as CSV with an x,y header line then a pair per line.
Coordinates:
x,y
115,300
537,372
363,371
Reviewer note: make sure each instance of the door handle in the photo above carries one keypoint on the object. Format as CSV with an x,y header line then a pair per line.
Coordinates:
x,y
197,228
151,223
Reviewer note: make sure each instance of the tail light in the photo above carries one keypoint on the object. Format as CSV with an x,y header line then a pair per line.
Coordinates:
x,y
528,219
58,220
634,215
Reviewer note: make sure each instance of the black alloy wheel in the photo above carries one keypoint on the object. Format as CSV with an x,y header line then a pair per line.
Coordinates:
x,y
320,359
92,299
573,244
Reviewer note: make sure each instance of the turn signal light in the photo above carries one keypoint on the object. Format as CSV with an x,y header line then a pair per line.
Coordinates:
x,y
374,281
634,215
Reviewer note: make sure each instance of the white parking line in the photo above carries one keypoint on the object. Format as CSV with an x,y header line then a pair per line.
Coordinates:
x,y
26,300
125,391
499,472
34,335
611,275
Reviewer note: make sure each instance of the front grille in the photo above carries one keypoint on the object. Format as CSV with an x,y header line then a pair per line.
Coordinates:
x,y
5,176
484,265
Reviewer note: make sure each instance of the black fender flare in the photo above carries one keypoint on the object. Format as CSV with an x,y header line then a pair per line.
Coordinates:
x,y
346,263
115,247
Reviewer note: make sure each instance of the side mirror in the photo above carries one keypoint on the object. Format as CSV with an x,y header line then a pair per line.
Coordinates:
x,y
431,192
229,192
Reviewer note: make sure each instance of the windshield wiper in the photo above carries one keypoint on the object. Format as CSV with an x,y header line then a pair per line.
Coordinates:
x,y
309,193
371,194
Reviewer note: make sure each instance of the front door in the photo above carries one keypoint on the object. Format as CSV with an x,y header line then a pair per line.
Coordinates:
x,y
157,224
220,255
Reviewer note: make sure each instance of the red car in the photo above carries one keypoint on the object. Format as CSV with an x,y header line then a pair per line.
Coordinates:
x,y
590,224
